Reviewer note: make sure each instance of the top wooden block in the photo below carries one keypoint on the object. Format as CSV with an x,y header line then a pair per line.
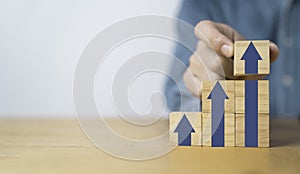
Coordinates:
x,y
251,57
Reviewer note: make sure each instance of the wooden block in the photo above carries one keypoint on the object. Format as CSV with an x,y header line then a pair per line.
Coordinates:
x,y
263,96
263,49
229,129
263,130
206,129
240,130
228,87
229,123
195,119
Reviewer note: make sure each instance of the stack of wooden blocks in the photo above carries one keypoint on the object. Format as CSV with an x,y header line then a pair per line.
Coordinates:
x,y
234,112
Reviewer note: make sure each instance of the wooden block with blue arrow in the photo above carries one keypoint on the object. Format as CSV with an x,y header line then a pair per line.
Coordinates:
x,y
215,93
251,57
234,113
185,128
218,122
252,113
252,96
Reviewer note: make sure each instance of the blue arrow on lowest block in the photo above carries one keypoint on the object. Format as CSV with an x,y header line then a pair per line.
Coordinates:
x,y
251,57
184,130
218,97
251,113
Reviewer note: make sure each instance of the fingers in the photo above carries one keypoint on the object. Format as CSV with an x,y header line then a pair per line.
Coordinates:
x,y
212,59
197,68
219,37
195,74
208,33
274,52
211,62
202,67
202,71
229,32
192,83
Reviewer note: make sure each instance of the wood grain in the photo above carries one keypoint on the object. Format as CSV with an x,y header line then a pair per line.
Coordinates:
x,y
228,86
194,118
59,146
263,96
263,130
240,130
206,129
262,47
229,129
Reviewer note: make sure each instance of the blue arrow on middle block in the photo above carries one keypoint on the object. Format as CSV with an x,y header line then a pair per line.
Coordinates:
x,y
251,57
217,96
184,130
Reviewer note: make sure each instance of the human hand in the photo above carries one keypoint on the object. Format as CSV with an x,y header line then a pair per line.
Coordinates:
x,y
212,59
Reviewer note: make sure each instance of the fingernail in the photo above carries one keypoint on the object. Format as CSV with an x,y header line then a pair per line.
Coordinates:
x,y
226,50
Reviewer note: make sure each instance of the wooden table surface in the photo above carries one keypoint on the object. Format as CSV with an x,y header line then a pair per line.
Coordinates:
x,y
59,146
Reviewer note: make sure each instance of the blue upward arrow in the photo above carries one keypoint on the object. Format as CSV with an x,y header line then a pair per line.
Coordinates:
x,y
251,113
184,130
217,96
251,57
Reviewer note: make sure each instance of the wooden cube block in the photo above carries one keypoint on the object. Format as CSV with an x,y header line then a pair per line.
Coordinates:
x,y
195,120
229,132
228,87
251,57
240,130
206,129
262,96
229,129
263,131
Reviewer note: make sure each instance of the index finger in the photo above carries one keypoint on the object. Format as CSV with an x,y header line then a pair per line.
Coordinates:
x,y
208,32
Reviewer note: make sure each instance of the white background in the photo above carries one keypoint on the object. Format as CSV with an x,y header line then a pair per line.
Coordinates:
x,y
40,44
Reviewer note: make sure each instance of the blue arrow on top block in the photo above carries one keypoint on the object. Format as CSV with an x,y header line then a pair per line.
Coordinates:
x,y
251,57
184,130
218,97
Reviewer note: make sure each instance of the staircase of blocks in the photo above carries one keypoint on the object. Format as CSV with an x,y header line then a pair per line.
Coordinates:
x,y
235,113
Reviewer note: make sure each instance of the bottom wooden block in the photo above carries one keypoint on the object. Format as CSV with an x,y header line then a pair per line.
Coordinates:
x,y
229,129
263,131
194,119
